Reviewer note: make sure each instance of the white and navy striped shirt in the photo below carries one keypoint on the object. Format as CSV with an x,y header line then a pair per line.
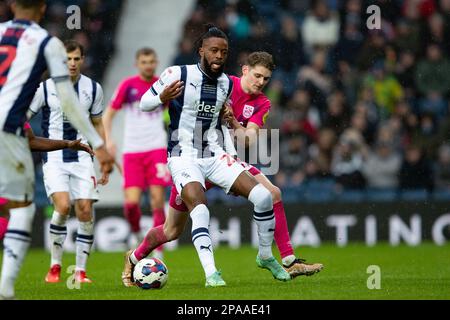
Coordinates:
x,y
26,51
195,128
55,125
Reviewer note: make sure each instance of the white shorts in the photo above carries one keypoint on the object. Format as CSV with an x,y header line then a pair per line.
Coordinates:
x,y
16,168
221,170
76,178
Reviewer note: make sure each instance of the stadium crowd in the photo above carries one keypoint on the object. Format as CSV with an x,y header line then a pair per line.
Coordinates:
x,y
363,114
98,25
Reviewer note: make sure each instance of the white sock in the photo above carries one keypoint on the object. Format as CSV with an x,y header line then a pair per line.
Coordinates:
x,y
85,239
287,261
264,218
58,234
16,243
201,238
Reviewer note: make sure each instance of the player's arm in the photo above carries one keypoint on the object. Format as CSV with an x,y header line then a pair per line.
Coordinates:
x,y
97,121
248,134
168,87
56,58
47,145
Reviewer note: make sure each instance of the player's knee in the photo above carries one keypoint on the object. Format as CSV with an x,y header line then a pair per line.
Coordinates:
x,y
261,198
63,207
84,214
276,194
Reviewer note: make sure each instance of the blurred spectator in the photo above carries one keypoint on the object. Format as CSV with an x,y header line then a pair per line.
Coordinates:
x,y
320,27
416,171
315,79
322,152
337,113
442,168
387,90
348,159
433,73
186,54
382,167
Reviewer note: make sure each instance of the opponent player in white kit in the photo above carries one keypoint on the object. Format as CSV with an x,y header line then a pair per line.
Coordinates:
x,y
196,96
26,51
69,176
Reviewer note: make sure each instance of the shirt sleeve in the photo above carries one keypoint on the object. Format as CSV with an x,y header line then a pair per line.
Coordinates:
x,y
119,96
98,106
56,58
38,100
150,100
261,115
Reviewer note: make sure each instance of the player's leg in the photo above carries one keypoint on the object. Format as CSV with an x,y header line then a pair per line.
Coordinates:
x,y
4,215
158,177
171,230
193,195
16,185
231,176
157,201
134,184
133,213
58,234
85,237
227,173
293,265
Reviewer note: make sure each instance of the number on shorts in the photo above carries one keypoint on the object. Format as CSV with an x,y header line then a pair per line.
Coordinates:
x,y
230,159
95,181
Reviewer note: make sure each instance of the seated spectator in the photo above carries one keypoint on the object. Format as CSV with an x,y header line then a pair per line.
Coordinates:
x,y
387,90
348,159
382,167
320,27
433,73
416,171
321,153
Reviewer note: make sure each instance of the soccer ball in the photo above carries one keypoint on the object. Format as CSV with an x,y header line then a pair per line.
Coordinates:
x,y
150,273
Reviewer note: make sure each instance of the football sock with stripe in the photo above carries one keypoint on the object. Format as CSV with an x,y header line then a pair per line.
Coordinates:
x,y
264,218
58,234
201,238
85,239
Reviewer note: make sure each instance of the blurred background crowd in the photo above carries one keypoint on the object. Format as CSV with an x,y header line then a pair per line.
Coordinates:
x,y
363,114
98,26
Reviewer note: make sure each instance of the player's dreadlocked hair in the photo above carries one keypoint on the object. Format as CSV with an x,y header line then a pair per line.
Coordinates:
x,y
211,32
30,3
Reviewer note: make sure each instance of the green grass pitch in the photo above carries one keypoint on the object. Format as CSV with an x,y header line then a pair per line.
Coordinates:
x,y
421,272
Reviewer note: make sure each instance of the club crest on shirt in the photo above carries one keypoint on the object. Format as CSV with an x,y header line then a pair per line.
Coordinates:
x,y
248,111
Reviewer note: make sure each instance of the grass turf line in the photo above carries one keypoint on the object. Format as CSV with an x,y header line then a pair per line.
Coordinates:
x,y
421,272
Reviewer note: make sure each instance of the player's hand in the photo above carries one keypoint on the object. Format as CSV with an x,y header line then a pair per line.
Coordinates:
x,y
78,146
104,179
227,114
105,159
172,91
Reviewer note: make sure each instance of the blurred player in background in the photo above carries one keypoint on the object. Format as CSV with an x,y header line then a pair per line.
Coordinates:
x,y
26,51
69,176
197,95
40,144
144,145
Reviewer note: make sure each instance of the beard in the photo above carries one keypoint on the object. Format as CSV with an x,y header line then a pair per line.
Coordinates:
x,y
209,71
